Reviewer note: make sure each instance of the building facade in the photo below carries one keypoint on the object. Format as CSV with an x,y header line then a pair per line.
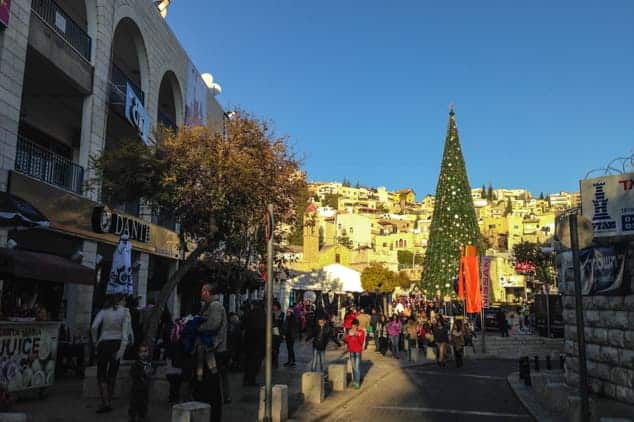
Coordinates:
x,y
77,77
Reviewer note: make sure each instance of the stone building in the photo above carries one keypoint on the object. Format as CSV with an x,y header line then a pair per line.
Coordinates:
x,y
78,76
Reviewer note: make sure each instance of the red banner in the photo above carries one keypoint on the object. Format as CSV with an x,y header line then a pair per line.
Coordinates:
x,y
485,268
5,8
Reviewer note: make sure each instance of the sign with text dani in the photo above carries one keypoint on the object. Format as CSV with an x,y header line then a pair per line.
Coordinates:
x,y
5,11
608,202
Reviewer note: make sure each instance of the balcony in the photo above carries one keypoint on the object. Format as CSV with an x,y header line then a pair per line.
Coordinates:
x,y
53,15
47,166
118,85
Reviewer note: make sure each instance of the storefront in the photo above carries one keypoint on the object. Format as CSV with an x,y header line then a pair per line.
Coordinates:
x,y
71,258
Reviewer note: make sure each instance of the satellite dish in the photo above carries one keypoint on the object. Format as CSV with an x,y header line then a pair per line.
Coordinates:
x,y
584,231
208,79
215,89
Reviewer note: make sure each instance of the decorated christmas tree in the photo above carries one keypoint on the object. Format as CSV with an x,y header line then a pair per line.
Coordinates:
x,y
454,221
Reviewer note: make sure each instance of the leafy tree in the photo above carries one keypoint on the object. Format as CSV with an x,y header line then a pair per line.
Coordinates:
x,y
528,252
541,196
358,185
483,192
377,278
454,222
490,192
296,237
216,184
331,200
346,182
509,207
405,259
403,280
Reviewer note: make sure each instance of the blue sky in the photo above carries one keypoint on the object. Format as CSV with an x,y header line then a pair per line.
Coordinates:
x,y
544,91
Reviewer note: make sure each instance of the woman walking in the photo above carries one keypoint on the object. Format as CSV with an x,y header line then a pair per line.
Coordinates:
x,y
441,337
394,331
112,328
412,329
458,340
291,328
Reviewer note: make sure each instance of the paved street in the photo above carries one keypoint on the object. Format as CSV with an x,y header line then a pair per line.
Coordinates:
x,y
477,392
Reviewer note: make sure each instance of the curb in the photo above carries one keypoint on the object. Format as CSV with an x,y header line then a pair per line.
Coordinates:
x,y
527,398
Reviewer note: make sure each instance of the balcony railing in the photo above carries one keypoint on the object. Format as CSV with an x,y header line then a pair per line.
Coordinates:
x,y
118,82
47,166
64,25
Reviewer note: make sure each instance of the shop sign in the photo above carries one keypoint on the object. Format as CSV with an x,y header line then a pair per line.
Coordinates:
x,y
136,114
5,9
485,268
106,221
27,355
601,271
608,202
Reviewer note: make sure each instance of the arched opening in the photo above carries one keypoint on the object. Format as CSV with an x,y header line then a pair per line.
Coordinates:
x,y
170,102
129,70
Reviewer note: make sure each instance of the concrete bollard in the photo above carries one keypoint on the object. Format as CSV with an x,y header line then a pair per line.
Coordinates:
x,y
191,411
557,397
279,406
574,408
313,387
12,417
337,376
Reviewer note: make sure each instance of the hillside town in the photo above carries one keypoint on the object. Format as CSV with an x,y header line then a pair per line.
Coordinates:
x,y
355,226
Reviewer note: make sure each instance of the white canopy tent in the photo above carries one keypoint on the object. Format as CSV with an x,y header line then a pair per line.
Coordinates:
x,y
335,278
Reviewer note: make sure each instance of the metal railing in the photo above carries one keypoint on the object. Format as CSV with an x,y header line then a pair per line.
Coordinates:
x,y
64,25
47,166
118,81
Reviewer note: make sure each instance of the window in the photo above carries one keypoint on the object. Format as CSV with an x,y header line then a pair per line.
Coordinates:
x,y
338,258
351,230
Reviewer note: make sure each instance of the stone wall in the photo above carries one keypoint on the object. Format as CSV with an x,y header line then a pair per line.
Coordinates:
x,y
515,347
609,334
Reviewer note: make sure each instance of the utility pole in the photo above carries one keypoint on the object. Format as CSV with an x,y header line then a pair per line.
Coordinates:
x,y
269,225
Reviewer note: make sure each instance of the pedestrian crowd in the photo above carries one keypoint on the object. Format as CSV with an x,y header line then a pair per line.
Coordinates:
x,y
201,350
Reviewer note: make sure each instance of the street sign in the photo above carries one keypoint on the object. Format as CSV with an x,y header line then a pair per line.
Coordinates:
x,y
608,202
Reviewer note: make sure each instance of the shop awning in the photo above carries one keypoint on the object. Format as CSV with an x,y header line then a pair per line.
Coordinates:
x,y
44,267
16,212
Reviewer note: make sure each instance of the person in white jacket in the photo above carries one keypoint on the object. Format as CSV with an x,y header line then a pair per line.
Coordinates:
x,y
112,329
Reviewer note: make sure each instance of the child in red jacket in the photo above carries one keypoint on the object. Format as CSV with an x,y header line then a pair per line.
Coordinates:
x,y
355,339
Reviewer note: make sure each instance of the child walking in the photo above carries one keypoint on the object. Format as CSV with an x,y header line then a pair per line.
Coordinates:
x,y
140,372
355,339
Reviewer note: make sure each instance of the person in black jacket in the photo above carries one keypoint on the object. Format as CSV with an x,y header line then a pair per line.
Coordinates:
x,y
141,371
291,328
321,335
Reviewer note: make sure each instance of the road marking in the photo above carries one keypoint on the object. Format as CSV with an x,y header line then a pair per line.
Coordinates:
x,y
454,412
450,374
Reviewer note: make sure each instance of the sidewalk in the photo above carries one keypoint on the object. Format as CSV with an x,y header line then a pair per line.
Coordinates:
x,y
63,402
605,408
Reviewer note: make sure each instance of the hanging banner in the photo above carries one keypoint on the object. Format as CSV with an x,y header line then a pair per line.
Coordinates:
x,y
28,351
195,98
5,11
136,114
601,271
120,280
485,270
608,202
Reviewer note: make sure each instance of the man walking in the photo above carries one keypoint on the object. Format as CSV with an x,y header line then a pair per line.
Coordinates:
x,y
364,323
291,329
209,389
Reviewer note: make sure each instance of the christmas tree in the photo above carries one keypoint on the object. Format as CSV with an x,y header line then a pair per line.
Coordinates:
x,y
454,221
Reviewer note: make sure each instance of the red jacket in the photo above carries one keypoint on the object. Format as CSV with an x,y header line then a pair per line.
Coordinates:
x,y
356,341
347,320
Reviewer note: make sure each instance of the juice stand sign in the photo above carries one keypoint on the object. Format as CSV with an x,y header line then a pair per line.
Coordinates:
x,y
27,354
